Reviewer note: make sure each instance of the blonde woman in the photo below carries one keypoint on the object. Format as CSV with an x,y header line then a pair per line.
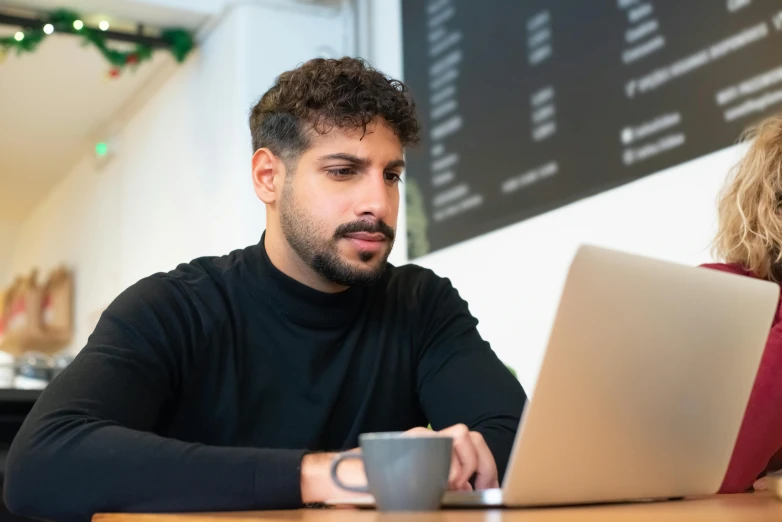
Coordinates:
x,y
749,241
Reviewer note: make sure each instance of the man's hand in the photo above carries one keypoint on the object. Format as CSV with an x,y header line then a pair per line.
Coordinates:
x,y
471,456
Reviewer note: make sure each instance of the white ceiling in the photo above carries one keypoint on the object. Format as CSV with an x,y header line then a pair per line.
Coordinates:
x,y
54,101
189,14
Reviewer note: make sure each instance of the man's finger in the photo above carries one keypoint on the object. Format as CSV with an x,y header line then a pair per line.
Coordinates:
x,y
465,452
486,468
466,487
760,484
454,473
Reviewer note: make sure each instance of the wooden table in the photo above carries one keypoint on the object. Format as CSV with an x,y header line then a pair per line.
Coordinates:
x,y
734,508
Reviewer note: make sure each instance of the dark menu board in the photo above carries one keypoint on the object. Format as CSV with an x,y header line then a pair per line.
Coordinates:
x,y
527,105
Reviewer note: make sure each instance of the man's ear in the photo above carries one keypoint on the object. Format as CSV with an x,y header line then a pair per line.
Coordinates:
x,y
266,169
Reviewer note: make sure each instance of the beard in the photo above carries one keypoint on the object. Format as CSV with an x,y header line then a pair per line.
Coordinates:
x,y
322,255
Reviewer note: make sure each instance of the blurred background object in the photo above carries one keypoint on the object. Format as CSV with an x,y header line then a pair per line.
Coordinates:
x,y
35,316
34,371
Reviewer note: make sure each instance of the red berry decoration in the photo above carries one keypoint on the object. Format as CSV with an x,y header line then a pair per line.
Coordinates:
x,y
131,59
114,73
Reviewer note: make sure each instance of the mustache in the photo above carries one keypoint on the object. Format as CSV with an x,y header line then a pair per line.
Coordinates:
x,y
365,226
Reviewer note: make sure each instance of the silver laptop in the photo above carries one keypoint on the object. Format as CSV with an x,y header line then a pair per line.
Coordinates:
x,y
643,386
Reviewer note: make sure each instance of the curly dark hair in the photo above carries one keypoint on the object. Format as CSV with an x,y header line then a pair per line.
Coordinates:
x,y
325,93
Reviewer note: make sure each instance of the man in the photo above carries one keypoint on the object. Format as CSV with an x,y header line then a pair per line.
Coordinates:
x,y
227,383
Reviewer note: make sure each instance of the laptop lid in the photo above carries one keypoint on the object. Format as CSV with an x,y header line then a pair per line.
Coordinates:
x,y
644,383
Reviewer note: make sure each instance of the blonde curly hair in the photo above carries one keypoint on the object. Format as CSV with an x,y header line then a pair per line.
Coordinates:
x,y
750,221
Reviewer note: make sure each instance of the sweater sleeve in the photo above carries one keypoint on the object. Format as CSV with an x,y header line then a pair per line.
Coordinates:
x,y
89,446
460,379
760,435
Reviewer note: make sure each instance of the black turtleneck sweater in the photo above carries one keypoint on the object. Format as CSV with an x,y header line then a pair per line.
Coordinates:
x,y
202,388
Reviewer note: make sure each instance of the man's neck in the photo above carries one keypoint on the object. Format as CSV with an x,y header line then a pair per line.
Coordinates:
x,y
287,261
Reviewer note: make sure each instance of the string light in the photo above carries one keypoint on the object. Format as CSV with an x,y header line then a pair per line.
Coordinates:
x,y
179,42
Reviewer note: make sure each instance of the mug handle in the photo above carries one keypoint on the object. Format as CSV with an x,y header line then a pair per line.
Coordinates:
x,y
335,464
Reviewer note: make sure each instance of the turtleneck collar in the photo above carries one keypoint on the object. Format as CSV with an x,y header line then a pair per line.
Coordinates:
x,y
298,302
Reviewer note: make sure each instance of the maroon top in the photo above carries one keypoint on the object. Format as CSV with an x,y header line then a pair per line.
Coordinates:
x,y
759,444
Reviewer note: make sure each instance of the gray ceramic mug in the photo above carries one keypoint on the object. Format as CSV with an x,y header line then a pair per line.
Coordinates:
x,y
404,472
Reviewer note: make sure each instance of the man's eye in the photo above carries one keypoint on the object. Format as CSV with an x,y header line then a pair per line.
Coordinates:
x,y
393,177
341,172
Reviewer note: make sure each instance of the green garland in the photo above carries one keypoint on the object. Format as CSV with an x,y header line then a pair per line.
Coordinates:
x,y
181,41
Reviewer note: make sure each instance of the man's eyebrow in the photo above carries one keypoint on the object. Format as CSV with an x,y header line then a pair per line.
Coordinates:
x,y
359,162
400,163
350,158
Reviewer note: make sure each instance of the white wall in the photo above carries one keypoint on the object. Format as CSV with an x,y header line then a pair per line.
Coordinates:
x,y
513,277
179,186
151,206
8,233
276,37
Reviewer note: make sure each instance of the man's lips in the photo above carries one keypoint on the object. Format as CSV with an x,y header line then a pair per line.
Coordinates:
x,y
366,241
366,236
